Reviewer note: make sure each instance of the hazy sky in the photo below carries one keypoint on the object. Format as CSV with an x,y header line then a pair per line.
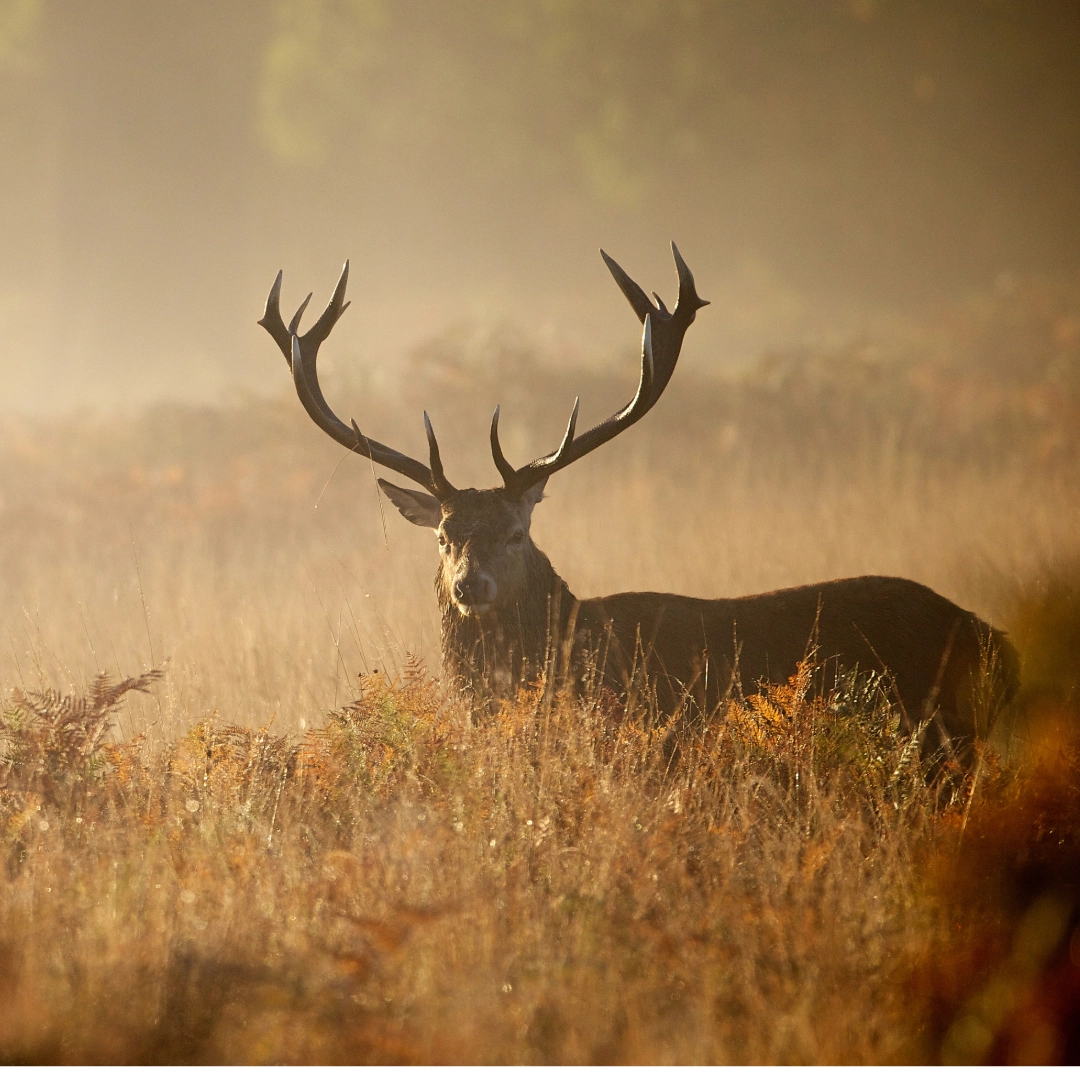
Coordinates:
x,y
827,168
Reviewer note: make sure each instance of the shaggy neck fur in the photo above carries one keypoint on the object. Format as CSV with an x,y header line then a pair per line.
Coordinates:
x,y
486,656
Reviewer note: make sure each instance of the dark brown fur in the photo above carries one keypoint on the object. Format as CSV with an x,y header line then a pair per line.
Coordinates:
x,y
683,651
699,651
488,655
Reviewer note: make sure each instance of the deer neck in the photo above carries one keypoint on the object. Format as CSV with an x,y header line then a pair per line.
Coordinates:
x,y
485,657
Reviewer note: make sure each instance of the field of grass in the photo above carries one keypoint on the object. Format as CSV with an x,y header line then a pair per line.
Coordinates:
x,y
276,841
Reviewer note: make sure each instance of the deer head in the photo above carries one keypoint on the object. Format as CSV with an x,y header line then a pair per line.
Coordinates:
x,y
488,559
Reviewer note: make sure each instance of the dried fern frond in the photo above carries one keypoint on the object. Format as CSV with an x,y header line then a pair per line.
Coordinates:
x,y
81,719
49,739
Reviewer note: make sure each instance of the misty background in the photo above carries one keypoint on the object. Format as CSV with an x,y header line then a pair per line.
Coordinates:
x,y
833,172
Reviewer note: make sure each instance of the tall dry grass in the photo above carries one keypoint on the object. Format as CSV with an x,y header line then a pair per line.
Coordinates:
x,y
244,547
400,886
291,848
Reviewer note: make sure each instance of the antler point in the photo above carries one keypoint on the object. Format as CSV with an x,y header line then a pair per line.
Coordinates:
x,y
360,439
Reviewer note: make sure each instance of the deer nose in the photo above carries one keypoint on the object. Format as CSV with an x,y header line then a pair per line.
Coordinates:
x,y
474,589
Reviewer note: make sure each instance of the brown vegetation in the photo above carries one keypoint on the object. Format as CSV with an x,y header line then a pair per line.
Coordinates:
x,y
228,875
402,886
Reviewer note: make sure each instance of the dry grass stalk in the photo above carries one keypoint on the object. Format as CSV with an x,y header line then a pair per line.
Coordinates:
x,y
554,886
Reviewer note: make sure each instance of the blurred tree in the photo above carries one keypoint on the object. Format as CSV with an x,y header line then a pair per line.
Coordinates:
x,y
619,100
19,20
317,60
832,166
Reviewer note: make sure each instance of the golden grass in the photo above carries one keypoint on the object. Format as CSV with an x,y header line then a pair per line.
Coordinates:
x,y
402,886
293,849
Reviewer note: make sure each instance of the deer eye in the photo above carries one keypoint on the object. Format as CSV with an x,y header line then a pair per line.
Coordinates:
x,y
516,536
443,542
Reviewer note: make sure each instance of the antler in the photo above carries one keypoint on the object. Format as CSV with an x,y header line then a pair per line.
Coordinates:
x,y
660,345
301,353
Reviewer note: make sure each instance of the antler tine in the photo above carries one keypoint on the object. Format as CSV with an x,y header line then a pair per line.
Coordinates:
x,y
271,321
506,470
301,352
688,296
633,292
511,476
441,486
661,343
568,438
320,329
294,322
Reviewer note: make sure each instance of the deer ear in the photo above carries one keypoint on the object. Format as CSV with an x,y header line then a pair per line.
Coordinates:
x,y
416,506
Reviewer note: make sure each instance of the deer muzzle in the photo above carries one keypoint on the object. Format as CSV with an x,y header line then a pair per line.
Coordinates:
x,y
474,592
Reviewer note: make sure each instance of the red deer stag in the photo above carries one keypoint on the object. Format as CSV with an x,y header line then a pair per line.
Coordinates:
x,y
503,605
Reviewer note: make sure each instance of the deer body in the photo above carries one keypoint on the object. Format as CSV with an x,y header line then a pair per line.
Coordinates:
x,y
683,650
703,650
506,614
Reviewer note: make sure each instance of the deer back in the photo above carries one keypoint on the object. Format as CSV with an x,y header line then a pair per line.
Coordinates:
x,y
702,650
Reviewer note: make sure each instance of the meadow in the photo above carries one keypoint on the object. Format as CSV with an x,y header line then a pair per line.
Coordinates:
x,y
242,823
